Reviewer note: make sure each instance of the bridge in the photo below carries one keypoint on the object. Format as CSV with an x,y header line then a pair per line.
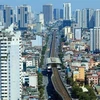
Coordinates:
x,y
56,80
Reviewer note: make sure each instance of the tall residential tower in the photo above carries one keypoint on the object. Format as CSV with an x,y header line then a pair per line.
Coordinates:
x,y
23,15
10,64
78,17
95,40
97,18
67,11
87,18
8,15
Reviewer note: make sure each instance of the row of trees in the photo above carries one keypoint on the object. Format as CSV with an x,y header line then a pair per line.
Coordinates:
x,y
40,76
43,52
40,86
60,51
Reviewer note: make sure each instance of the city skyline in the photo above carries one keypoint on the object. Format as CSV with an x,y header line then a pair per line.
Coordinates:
x,y
76,4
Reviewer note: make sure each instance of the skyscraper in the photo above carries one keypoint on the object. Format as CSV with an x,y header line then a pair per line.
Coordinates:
x,y
56,13
23,15
97,18
67,11
48,13
8,15
95,40
78,17
61,13
87,18
10,64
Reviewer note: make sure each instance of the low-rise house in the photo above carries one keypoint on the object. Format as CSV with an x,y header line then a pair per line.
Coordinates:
x,y
92,79
79,74
31,79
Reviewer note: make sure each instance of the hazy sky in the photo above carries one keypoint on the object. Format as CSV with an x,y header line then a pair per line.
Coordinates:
x,y
37,4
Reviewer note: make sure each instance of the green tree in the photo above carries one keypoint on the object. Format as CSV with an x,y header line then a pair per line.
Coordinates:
x,y
76,90
84,96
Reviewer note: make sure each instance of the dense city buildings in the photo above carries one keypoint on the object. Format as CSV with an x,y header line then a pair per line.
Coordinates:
x,y
67,11
51,54
48,13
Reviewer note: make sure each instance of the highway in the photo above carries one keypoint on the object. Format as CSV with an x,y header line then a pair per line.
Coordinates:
x,y
56,80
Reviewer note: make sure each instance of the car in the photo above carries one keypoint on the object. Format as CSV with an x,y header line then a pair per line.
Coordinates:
x,y
49,97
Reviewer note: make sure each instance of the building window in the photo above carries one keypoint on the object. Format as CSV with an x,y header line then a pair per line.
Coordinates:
x,y
25,8
18,11
11,20
4,14
19,23
25,18
11,12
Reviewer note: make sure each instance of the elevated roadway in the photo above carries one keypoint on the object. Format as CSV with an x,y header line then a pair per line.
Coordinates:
x,y
56,80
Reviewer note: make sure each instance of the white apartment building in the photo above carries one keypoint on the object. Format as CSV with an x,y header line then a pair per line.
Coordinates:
x,y
40,18
77,34
10,64
31,79
67,11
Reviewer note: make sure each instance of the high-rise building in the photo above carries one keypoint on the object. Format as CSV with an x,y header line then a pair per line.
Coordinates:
x,y
67,11
97,18
56,13
40,18
23,15
78,17
10,64
8,15
48,13
87,18
61,13
95,40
